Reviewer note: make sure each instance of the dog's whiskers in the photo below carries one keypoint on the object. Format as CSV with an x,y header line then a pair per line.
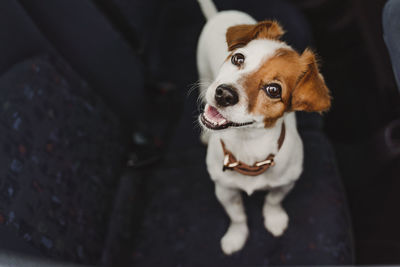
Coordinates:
x,y
197,85
201,92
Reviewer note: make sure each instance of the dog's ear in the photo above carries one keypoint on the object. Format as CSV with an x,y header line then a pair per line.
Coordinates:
x,y
240,35
310,93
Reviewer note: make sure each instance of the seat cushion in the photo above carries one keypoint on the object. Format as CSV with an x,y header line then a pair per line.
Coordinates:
x,y
184,222
81,33
61,153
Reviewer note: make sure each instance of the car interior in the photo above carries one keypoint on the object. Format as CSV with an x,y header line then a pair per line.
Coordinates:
x,y
100,152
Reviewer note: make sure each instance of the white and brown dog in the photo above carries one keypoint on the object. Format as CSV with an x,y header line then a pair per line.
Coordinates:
x,y
258,82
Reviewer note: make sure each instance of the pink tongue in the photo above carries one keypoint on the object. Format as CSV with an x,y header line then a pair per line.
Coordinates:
x,y
213,114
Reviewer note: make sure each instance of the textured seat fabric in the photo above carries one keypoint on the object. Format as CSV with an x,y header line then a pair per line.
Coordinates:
x,y
61,153
184,222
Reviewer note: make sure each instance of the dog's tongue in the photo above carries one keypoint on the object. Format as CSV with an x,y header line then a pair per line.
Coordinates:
x,y
213,115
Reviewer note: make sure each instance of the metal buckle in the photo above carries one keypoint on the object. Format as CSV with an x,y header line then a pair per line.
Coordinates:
x,y
226,160
228,165
234,164
265,162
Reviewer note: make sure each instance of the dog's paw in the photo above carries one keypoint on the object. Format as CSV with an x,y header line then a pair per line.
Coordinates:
x,y
204,137
235,238
275,219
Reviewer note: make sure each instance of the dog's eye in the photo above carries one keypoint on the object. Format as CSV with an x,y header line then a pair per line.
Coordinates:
x,y
273,90
237,59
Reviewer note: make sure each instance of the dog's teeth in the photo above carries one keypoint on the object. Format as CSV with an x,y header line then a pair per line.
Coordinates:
x,y
222,122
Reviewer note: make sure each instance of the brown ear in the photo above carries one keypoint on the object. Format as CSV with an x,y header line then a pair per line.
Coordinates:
x,y
311,92
240,35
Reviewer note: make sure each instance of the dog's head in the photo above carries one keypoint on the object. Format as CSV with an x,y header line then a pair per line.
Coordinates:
x,y
261,79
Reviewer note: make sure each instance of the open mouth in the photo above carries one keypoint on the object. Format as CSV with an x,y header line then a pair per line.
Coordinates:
x,y
213,120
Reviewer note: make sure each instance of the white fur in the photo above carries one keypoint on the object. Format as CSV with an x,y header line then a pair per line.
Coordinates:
x,y
208,8
249,144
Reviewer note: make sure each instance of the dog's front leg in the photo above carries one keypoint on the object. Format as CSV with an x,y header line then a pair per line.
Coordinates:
x,y
236,236
275,217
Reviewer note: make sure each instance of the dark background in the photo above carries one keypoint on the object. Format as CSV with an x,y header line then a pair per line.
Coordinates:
x,y
348,36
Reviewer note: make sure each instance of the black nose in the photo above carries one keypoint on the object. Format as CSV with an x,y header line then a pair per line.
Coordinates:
x,y
226,95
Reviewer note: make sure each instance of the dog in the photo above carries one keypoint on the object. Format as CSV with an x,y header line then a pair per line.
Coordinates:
x,y
256,84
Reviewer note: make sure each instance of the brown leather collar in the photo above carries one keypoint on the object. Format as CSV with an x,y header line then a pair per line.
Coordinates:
x,y
230,162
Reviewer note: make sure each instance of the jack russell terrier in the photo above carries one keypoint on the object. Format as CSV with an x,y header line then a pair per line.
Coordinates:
x,y
258,82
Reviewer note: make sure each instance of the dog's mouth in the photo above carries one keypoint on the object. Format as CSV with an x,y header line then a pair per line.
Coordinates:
x,y
213,120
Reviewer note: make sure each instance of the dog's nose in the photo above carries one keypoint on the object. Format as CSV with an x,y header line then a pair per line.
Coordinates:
x,y
226,95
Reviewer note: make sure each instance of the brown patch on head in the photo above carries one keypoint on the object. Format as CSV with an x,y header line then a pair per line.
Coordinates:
x,y
241,35
303,87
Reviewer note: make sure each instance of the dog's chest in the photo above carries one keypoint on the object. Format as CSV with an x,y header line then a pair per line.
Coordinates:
x,y
249,153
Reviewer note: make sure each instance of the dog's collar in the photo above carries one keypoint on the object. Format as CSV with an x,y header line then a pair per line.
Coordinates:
x,y
230,162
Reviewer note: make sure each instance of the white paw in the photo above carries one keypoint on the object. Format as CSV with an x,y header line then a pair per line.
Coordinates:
x,y
204,137
235,238
275,219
